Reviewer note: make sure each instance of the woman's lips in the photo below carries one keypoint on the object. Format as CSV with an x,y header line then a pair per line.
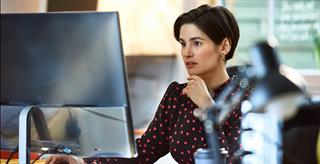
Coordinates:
x,y
190,64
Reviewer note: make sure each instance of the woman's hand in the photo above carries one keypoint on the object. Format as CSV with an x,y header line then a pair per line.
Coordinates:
x,y
64,159
198,92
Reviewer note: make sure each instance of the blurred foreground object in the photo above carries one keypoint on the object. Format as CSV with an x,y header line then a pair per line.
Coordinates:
x,y
277,89
277,98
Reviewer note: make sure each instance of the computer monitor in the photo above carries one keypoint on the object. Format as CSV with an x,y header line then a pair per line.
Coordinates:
x,y
68,60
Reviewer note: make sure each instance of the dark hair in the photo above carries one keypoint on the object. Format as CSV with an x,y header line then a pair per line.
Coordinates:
x,y
216,22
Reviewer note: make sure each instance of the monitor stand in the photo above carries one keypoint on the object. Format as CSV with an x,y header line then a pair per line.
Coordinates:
x,y
24,130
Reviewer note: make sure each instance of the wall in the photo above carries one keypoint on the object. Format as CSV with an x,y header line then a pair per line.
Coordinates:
x,y
21,6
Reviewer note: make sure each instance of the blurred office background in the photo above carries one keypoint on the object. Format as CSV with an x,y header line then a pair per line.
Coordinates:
x,y
153,56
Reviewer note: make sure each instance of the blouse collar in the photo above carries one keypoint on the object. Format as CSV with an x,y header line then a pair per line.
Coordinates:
x,y
217,91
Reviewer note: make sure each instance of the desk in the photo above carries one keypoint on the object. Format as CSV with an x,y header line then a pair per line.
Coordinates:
x,y
16,161
6,153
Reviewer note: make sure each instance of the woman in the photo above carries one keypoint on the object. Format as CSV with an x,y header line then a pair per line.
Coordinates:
x,y
208,38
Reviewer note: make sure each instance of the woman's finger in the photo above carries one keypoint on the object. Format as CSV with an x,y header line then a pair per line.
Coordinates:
x,y
184,91
53,160
193,78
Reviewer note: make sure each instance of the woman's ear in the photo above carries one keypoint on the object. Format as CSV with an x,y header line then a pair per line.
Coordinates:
x,y
225,46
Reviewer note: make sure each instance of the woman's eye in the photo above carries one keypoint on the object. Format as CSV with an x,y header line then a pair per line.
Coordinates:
x,y
182,44
197,43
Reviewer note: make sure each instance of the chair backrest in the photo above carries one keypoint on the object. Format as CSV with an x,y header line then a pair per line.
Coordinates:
x,y
234,70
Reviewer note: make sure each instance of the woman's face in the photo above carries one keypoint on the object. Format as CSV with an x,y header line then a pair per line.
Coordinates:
x,y
199,52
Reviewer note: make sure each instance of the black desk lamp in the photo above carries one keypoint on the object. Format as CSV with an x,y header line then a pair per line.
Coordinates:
x,y
278,93
277,89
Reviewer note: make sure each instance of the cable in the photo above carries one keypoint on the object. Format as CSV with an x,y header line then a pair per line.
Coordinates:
x,y
12,153
43,153
16,150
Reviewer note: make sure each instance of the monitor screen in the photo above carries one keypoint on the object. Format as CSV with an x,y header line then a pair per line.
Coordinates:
x,y
67,62
62,59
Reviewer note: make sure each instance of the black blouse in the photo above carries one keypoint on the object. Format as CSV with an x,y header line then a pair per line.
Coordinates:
x,y
175,129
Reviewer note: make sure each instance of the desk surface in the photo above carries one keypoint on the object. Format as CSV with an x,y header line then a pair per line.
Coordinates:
x,y
15,161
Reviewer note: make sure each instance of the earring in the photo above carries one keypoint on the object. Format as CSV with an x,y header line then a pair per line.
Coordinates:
x,y
223,57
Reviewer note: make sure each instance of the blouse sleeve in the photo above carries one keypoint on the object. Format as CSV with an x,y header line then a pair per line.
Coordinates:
x,y
154,143
232,130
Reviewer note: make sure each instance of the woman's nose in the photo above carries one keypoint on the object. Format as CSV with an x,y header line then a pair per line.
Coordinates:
x,y
188,51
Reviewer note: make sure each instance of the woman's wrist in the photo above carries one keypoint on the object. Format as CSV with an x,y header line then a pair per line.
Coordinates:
x,y
207,103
